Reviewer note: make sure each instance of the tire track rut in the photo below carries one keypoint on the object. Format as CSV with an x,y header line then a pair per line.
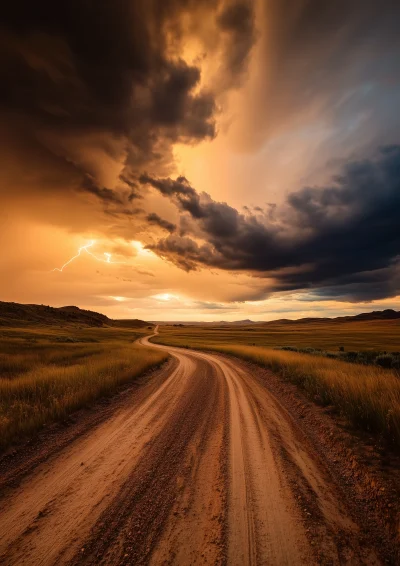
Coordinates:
x,y
208,468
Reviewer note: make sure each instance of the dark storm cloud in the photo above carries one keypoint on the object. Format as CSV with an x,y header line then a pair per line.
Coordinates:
x,y
79,64
134,193
185,252
213,306
343,239
180,190
103,193
111,70
171,106
86,84
169,187
156,220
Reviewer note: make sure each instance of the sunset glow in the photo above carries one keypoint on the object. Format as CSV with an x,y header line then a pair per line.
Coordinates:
x,y
240,154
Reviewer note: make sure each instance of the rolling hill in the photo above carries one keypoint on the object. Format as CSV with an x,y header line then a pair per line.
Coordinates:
x,y
388,314
15,314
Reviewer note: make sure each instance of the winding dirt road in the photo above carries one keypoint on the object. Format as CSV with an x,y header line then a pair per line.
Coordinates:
x,y
201,466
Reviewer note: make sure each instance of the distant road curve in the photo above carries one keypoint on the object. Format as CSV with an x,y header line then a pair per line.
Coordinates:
x,y
202,466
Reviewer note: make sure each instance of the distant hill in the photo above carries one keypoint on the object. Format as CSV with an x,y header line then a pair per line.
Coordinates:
x,y
131,323
15,314
233,322
246,322
388,314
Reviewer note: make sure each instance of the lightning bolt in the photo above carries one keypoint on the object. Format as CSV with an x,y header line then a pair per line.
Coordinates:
x,y
85,248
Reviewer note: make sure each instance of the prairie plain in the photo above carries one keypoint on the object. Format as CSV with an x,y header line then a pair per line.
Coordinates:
x,y
378,335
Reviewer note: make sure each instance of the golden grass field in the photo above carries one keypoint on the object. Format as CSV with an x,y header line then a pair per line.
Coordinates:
x,y
46,372
358,336
368,396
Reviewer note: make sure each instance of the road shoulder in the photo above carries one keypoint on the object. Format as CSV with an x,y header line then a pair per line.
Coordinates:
x,y
21,460
366,473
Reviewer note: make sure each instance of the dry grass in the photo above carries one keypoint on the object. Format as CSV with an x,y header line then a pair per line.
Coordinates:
x,y
43,380
367,395
357,336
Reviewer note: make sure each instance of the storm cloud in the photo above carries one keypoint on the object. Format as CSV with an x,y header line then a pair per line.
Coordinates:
x,y
109,114
341,240
325,61
88,82
156,220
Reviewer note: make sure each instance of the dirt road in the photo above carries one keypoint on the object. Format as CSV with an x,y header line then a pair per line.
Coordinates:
x,y
202,466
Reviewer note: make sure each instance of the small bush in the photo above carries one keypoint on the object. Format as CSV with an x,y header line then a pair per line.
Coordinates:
x,y
385,361
350,356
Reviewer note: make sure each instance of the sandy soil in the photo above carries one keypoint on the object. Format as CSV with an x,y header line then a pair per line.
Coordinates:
x,y
205,466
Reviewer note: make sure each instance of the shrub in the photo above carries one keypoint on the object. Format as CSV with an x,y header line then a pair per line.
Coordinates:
x,y
385,360
350,356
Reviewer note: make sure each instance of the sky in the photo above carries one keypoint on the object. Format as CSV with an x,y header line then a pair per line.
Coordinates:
x,y
201,160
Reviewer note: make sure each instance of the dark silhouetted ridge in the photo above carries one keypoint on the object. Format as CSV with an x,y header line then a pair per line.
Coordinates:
x,y
388,314
15,314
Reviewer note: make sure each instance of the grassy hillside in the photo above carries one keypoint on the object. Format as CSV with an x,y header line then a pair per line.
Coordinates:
x,y
18,315
47,372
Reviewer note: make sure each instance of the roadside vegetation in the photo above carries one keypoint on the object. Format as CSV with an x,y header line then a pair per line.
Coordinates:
x,y
367,395
47,373
370,357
